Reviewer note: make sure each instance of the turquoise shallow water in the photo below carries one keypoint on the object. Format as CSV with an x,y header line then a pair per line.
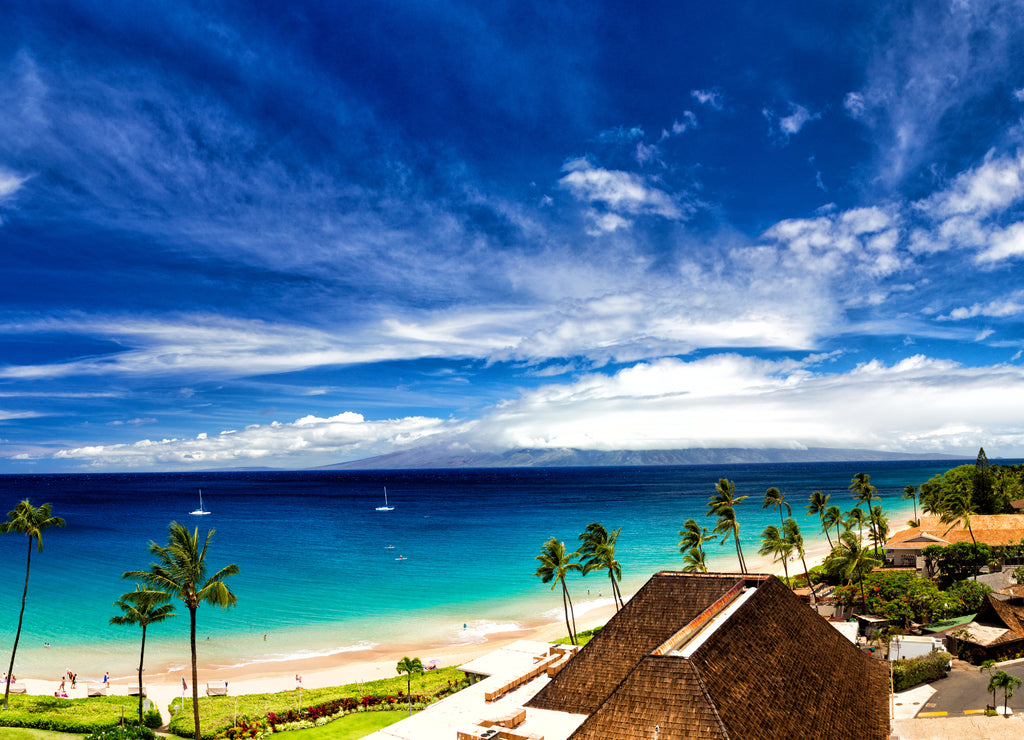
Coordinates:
x,y
317,576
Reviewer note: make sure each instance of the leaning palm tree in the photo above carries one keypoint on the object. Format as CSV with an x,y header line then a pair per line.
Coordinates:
x,y
597,552
409,666
854,519
776,499
27,520
723,505
691,543
791,533
833,517
555,563
143,608
694,561
818,504
851,561
864,493
910,492
775,545
180,571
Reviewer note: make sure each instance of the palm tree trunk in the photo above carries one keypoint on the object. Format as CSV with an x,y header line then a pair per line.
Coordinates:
x,y
17,635
807,574
739,551
195,671
565,608
822,520
975,549
615,591
142,656
572,612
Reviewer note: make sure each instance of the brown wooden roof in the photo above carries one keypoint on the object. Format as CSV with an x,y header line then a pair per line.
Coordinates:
x,y
773,669
1008,614
662,606
995,530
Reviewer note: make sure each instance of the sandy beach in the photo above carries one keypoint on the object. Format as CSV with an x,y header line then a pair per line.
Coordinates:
x,y
164,685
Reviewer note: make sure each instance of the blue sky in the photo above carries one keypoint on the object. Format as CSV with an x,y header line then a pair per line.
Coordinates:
x,y
292,234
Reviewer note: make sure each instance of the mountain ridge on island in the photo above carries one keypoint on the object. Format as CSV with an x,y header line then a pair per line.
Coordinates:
x,y
441,457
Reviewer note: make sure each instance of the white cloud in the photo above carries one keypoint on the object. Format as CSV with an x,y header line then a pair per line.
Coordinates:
x,y
312,439
623,192
1004,244
854,105
713,98
791,124
999,308
9,183
980,191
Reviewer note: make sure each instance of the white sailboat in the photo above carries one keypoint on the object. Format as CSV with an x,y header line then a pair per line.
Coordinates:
x,y
200,511
385,507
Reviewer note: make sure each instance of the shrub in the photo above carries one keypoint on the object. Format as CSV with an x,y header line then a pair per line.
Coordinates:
x,y
133,732
913,671
970,595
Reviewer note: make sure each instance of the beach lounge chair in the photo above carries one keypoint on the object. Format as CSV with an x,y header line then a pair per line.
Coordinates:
x,y
134,690
96,689
216,689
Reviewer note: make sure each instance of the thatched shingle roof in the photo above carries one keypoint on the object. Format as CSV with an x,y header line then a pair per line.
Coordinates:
x,y
764,665
994,530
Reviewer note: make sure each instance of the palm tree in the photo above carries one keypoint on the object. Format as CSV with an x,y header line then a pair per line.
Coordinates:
x,y
791,533
180,571
143,608
818,504
723,505
691,544
989,666
775,545
31,522
1006,682
854,519
957,508
555,563
597,552
409,666
864,493
881,526
910,492
776,499
833,517
851,561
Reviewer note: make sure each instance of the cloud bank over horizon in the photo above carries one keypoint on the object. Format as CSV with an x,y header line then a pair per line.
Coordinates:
x,y
232,240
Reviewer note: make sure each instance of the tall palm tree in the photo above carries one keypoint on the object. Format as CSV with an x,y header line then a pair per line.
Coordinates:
x,y
775,545
691,543
143,608
864,493
776,499
854,518
27,520
833,517
180,571
723,505
791,533
555,563
957,508
818,504
910,492
597,552
409,666
881,525
851,561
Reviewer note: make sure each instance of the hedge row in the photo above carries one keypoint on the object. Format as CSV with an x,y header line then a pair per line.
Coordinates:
x,y
913,671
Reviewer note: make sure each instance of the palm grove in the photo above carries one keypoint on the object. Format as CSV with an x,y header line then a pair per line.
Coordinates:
x,y
854,536
179,571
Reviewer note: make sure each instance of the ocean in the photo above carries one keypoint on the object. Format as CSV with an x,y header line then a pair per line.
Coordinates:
x,y
320,572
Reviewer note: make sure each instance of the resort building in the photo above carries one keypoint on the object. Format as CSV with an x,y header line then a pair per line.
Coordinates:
x,y
996,632
689,656
995,530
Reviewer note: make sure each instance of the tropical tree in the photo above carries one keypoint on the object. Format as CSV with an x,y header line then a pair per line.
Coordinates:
x,y
818,504
854,520
555,563
691,544
864,493
409,666
180,571
143,608
776,499
31,522
723,505
851,561
957,508
597,552
989,666
776,546
910,492
1006,682
791,533
880,526
833,517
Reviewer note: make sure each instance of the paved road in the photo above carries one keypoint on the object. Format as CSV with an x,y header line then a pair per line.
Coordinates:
x,y
965,689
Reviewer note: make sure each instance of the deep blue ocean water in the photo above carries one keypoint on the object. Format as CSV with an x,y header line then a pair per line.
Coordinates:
x,y
317,576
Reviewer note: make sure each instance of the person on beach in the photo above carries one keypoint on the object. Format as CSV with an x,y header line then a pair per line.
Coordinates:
x,y
298,681
106,678
184,686
62,686
74,679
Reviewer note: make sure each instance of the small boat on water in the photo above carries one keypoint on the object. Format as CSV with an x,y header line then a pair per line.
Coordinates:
x,y
385,507
389,547
200,511
401,557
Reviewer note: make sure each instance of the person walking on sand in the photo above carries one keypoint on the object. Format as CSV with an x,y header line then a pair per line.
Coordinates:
x,y
62,686
106,678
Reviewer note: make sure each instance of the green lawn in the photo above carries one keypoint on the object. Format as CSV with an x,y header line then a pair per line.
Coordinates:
x,y
351,727
18,733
